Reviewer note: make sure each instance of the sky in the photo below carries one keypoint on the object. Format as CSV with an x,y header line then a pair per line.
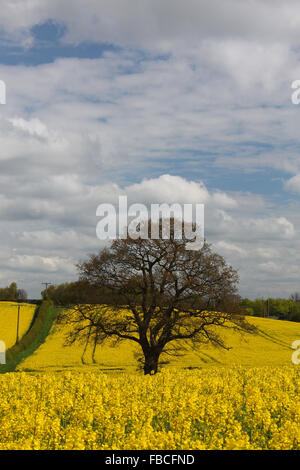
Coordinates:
x,y
162,101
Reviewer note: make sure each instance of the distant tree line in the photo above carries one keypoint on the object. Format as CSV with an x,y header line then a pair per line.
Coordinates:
x,y
13,293
73,293
68,294
283,309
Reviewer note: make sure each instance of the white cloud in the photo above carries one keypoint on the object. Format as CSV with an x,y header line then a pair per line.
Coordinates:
x,y
169,189
43,264
78,132
270,267
293,184
34,127
226,248
267,252
154,23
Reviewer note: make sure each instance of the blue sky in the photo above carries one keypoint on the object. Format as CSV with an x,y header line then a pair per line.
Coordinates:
x,y
47,47
164,103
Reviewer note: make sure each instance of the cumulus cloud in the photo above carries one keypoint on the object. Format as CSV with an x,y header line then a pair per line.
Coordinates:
x,y
29,263
230,248
155,23
293,184
193,93
33,126
169,189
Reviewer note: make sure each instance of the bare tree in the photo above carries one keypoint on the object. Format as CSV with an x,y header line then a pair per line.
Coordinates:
x,y
161,296
295,297
21,295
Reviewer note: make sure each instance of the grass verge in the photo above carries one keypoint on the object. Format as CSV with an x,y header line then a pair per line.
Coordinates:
x,y
35,336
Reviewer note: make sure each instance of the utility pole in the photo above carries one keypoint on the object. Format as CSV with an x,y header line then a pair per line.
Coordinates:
x,y
46,284
18,320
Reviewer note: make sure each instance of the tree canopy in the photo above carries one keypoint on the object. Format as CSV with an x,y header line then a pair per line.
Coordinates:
x,y
161,296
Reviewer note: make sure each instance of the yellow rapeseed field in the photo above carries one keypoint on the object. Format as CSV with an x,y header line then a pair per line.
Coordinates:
x,y
244,398
271,347
216,408
8,321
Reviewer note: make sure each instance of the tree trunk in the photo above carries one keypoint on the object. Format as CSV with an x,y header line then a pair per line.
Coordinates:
x,y
151,362
86,345
94,348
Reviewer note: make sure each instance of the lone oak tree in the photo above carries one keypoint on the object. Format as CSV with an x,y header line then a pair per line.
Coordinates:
x,y
160,296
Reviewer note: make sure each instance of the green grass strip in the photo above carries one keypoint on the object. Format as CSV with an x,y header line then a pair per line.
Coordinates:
x,y
35,336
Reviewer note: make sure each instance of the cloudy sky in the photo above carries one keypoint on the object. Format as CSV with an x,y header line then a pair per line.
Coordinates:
x,y
160,100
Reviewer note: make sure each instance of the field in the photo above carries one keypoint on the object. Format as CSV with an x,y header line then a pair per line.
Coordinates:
x,y
244,398
8,321
271,347
216,408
